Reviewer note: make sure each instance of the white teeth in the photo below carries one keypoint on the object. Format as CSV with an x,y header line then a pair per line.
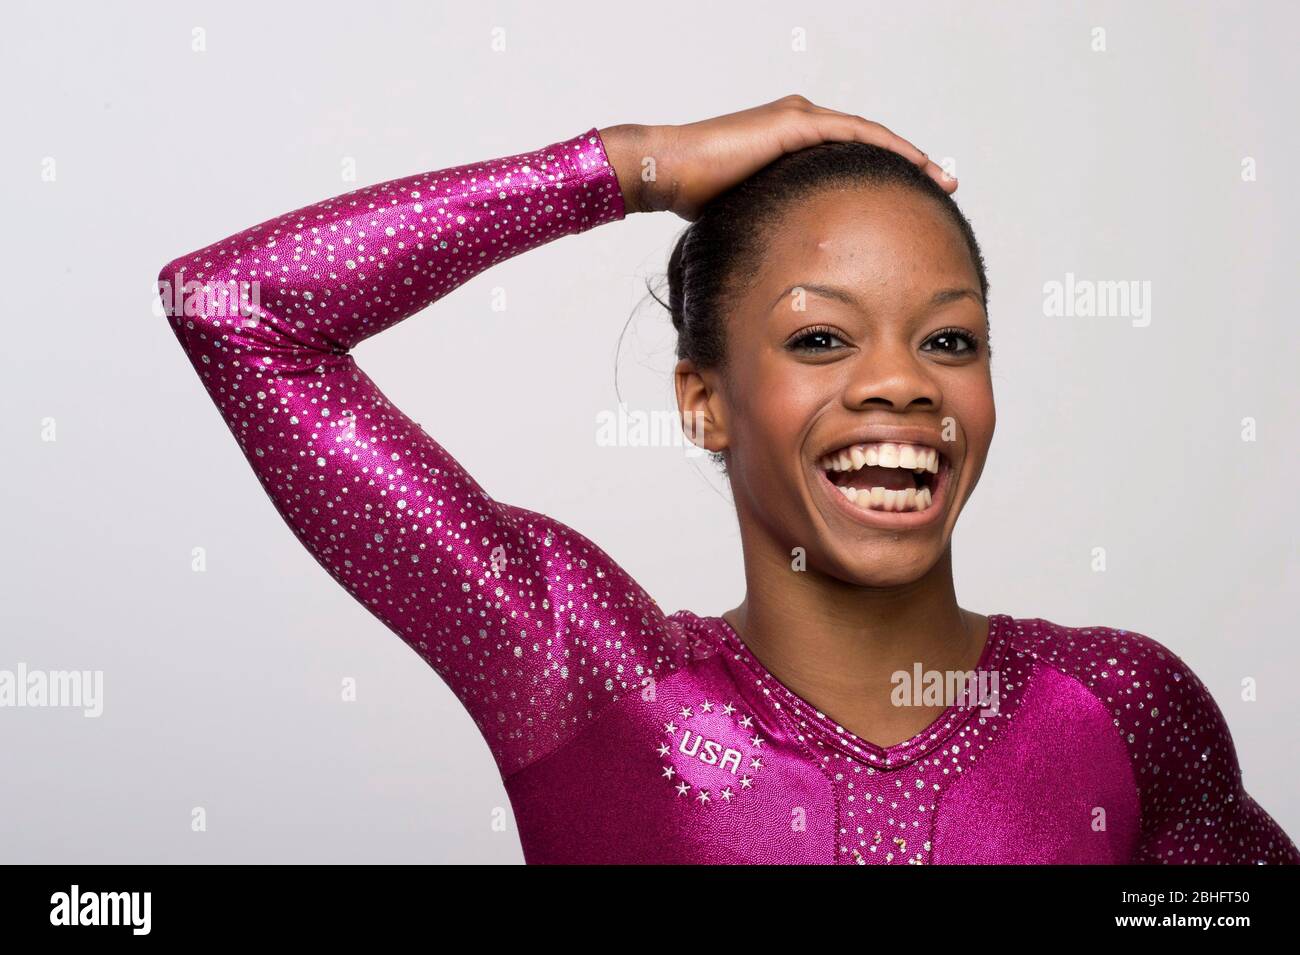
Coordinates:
x,y
884,499
910,457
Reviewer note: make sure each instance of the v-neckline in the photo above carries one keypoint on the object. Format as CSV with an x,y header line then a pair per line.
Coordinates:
x,y
817,722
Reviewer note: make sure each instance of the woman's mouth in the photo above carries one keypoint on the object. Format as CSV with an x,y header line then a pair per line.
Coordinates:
x,y
905,481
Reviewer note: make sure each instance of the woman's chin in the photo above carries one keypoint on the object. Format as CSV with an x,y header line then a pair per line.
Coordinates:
x,y
884,564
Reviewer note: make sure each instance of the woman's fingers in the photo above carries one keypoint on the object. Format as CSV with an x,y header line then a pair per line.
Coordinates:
x,y
697,161
861,129
872,132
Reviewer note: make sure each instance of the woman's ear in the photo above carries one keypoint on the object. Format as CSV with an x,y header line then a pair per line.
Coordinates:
x,y
699,400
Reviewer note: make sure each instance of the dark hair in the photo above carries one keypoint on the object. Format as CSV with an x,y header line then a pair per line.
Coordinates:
x,y
726,240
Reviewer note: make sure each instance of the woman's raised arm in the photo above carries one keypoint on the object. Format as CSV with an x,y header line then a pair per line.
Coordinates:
x,y
533,627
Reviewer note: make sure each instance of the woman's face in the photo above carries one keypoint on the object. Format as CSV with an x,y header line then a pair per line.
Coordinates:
x,y
863,334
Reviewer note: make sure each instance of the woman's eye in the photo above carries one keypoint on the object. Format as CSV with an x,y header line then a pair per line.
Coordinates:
x,y
953,341
818,340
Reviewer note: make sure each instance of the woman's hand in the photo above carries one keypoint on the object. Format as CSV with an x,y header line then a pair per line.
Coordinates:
x,y
695,162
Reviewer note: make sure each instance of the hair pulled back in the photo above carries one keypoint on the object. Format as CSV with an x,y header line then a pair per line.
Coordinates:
x,y
724,245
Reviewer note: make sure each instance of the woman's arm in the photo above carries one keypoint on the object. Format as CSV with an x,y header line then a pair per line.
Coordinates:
x,y
1195,809
532,626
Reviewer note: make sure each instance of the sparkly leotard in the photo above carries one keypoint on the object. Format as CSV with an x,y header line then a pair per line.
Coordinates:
x,y
624,734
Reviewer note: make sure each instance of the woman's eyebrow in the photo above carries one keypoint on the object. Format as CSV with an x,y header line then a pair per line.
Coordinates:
x,y
944,296
841,294
835,292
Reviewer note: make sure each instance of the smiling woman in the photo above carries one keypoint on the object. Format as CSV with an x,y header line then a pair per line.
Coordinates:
x,y
830,300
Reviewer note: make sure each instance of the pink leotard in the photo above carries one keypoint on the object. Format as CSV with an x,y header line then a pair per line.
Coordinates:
x,y
624,734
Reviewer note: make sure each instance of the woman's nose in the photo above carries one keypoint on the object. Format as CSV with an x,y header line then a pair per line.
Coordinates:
x,y
891,377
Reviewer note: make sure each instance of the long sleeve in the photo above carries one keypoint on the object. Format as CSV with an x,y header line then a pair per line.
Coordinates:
x,y
1192,807
534,628
1195,808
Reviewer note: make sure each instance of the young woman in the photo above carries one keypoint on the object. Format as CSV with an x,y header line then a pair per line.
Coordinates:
x,y
833,342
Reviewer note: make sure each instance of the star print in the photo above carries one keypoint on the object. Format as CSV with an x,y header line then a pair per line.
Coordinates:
x,y
746,782
757,742
682,788
728,709
669,773
706,707
703,797
727,794
756,763
670,728
686,712
747,721
663,750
